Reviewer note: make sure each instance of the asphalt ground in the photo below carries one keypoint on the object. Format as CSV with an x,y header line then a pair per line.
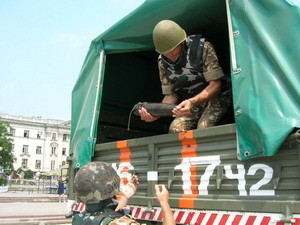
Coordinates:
x,y
32,208
16,208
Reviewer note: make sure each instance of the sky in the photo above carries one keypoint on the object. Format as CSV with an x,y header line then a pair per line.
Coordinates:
x,y
43,45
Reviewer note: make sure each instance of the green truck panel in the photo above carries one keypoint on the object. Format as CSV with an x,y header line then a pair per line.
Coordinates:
x,y
206,168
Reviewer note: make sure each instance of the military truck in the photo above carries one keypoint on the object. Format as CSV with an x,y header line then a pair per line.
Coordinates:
x,y
243,171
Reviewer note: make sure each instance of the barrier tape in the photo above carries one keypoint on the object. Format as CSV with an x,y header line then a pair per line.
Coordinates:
x,y
194,217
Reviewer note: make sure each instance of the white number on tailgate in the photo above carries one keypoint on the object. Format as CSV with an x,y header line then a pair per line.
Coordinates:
x,y
266,179
185,167
213,162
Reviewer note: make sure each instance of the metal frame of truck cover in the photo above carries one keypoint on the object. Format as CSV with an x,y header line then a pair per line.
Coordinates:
x,y
201,172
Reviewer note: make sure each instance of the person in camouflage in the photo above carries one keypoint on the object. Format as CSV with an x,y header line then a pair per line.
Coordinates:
x,y
190,75
96,184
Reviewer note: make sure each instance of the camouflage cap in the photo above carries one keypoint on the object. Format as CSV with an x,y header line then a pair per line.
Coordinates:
x,y
96,181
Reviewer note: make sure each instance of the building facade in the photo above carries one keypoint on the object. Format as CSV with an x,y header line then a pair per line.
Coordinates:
x,y
39,144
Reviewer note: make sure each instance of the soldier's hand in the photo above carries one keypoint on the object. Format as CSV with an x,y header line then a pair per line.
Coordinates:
x,y
130,188
162,193
127,190
147,116
183,109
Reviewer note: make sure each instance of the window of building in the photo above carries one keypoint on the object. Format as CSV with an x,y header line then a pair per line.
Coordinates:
x,y
52,164
63,163
25,149
38,164
64,150
65,137
12,131
26,133
53,136
39,134
38,149
24,163
53,150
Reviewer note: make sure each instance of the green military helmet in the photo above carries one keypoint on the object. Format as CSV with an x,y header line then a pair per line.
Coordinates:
x,y
96,181
167,35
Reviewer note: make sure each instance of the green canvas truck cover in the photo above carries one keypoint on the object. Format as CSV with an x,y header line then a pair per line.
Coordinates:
x,y
264,56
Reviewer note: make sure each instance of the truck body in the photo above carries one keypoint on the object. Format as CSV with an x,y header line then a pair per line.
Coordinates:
x,y
243,171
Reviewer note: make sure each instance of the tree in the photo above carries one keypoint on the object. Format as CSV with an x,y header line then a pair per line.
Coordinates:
x,y
6,156
28,174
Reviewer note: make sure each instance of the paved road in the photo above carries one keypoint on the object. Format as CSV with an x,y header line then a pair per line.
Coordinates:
x,y
32,208
25,194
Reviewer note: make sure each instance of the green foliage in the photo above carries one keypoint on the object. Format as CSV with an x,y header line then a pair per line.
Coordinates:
x,y
6,156
1,181
19,171
28,174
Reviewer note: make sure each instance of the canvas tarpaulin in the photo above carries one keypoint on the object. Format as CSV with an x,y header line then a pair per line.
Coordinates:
x,y
266,92
266,97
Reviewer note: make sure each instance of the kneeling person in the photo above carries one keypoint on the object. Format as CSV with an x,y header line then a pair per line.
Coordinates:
x,y
191,77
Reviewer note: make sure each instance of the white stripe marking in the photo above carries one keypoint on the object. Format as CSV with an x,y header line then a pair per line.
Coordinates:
x,y
147,216
193,221
258,220
218,219
133,211
184,217
274,220
175,215
140,214
157,214
230,219
206,218
244,219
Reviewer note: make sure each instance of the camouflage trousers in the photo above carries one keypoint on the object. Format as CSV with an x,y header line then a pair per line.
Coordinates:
x,y
205,115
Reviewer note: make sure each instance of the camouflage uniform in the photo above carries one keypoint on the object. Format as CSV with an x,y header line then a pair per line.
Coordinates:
x,y
187,80
97,213
96,184
103,213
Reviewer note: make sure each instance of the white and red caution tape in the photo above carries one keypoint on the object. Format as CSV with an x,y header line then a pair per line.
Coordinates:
x,y
78,207
195,217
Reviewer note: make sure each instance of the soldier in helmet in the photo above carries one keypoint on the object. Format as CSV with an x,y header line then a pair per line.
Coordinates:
x,y
191,77
96,184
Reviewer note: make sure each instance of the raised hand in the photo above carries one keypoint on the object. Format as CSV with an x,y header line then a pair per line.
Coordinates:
x,y
130,188
127,191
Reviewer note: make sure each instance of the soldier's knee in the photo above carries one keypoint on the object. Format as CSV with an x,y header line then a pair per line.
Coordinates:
x,y
204,124
182,124
176,129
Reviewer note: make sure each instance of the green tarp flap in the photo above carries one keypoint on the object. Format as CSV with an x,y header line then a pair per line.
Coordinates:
x,y
83,103
267,90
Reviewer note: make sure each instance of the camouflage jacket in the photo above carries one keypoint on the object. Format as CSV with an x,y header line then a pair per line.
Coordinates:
x,y
197,65
102,213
